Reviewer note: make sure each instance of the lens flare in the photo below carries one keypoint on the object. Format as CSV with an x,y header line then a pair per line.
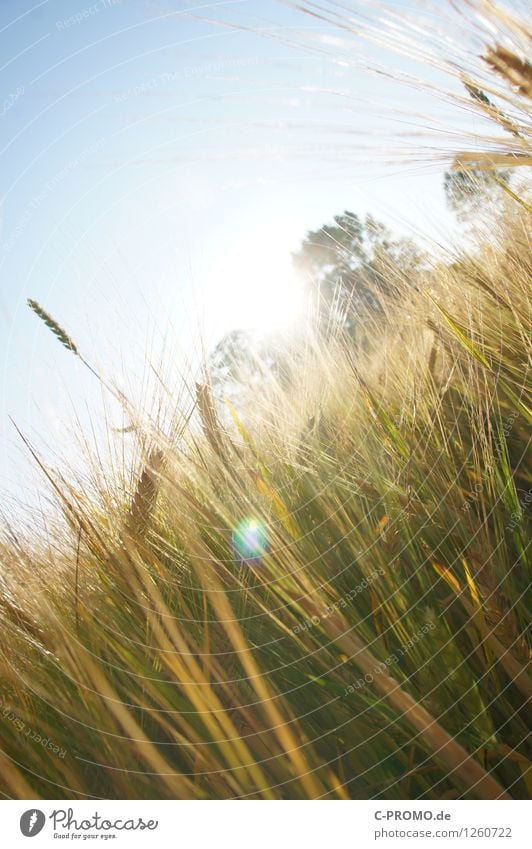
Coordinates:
x,y
250,540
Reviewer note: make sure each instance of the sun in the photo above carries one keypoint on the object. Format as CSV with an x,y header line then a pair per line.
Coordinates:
x,y
257,291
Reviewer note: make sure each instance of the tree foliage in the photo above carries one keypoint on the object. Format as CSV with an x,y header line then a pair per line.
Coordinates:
x,y
351,264
242,360
472,191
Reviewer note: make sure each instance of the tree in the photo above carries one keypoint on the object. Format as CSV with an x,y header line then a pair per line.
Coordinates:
x,y
234,359
471,192
352,264
242,361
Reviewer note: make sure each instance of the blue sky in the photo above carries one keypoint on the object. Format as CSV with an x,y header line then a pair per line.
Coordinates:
x,y
157,169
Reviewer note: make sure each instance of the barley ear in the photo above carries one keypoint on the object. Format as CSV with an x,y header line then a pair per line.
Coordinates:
x,y
515,70
56,329
63,337
146,493
209,419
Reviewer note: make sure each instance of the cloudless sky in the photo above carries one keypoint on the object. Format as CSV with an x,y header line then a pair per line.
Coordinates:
x,y
159,161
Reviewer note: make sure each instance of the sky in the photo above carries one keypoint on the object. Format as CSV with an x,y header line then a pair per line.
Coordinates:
x,y
159,163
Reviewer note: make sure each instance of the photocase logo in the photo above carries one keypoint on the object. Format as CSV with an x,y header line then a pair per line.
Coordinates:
x,y
32,822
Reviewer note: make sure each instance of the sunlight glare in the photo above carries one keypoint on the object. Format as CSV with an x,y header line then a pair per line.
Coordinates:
x,y
257,290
